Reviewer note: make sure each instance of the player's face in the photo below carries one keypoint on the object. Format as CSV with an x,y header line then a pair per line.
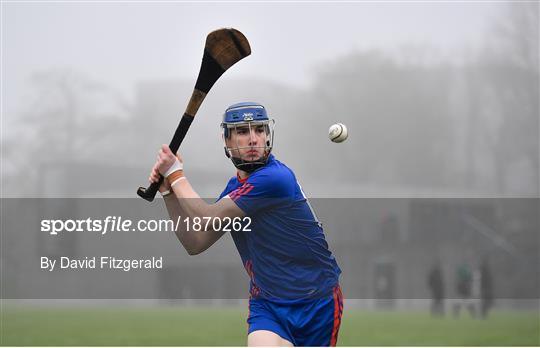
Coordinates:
x,y
248,142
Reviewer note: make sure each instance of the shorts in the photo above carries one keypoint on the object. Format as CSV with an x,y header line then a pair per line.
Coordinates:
x,y
303,323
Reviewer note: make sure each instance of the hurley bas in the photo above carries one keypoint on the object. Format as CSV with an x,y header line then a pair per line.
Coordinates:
x,y
103,262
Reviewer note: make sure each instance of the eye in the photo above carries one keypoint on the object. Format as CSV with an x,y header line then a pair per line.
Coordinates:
x,y
241,131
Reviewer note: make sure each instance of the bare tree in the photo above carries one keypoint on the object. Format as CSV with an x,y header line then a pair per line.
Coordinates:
x,y
62,122
505,88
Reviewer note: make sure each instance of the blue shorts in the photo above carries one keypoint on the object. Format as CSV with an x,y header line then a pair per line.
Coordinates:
x,y
304,323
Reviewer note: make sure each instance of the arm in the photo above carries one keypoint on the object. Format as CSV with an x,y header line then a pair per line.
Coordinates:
x,y
185,202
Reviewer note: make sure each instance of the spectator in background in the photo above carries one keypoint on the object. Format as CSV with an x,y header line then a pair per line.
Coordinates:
x,y
486,288
464,280
436,287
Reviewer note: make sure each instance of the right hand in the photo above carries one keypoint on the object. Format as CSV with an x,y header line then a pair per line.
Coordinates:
x,y
166,159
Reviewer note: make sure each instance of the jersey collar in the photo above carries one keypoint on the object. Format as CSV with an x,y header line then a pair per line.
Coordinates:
x,y
240,180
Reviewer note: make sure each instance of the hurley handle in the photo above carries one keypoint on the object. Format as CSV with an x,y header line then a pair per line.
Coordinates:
x,y
149,193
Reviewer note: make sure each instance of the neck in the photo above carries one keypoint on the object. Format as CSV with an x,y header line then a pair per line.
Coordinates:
x,y
241,174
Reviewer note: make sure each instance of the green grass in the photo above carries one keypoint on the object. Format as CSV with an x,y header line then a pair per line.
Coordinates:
x,y
180,326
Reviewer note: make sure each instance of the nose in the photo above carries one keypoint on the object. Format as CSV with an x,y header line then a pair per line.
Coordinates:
x,y
253,138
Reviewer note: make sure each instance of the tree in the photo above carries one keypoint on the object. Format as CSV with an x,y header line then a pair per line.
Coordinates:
x,y
508,98
65,116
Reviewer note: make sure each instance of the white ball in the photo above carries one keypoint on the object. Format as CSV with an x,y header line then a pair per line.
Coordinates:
x,y
338,133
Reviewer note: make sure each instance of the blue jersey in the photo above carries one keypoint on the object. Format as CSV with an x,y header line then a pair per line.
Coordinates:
x,y
285,253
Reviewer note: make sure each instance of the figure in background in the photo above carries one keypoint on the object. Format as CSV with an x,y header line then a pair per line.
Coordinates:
x,y
464,281
436,287
486,288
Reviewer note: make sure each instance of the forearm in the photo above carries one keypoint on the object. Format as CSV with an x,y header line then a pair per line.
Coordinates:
x,y
187,238
191,203
184,203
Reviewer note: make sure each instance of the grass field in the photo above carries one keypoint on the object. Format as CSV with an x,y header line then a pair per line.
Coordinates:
x,y
226,326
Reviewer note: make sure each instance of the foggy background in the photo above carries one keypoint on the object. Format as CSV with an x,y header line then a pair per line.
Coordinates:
x,y
441,99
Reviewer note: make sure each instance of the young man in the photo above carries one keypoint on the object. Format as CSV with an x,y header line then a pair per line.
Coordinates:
x,y
295,298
